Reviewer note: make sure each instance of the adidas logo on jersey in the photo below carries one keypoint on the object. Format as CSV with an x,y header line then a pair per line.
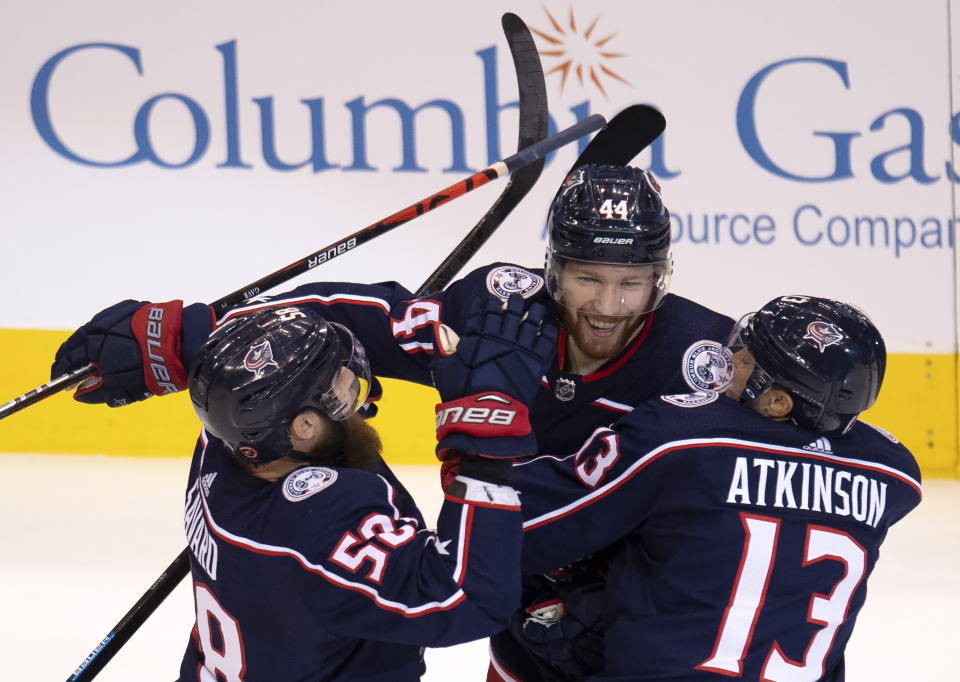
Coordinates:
x,y
820,445
206,481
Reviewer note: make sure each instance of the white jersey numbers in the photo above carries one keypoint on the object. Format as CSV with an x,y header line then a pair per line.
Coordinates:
x,y
750,589
823,544
223,663
600,454
353,553
612,211
288,314
418,315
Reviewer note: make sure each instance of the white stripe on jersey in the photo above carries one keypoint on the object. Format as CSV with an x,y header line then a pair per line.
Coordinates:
x,y
531,460
609,404
414,346
391,498
312,298
262,548
673,446
462,545
501,671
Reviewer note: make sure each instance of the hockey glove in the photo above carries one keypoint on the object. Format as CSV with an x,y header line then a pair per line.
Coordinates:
x,y
136,347
562,623
488,383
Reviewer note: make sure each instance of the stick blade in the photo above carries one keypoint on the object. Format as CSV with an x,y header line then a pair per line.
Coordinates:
x,y
625,135
530,82
532,125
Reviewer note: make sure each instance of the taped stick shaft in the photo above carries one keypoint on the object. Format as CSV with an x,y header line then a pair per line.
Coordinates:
x,y
61,383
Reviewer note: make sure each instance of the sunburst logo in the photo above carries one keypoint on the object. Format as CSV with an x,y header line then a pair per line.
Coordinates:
x,y
581,54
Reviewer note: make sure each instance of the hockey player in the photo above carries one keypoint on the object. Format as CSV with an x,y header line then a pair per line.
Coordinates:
x,y
623,337
309,559
745,524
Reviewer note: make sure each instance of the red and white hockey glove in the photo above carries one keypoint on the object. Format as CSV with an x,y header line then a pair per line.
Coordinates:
x,y
488,382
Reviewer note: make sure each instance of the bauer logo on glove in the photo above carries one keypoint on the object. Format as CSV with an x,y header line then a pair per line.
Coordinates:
x,y
494,374
471,416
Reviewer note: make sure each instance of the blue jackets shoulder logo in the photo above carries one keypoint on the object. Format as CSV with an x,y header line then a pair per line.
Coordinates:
x,y
510,279
696,399
304,483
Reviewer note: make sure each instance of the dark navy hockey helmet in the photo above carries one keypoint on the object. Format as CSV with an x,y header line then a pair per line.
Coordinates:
x,y
828,355
610,215
259,370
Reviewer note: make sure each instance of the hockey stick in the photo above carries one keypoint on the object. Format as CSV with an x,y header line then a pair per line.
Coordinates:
x,y
625,135
133,619
533,128
522,158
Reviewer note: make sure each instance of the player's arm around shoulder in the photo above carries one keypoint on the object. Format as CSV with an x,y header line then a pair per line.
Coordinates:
x,y
373,568
482,426
576,505
482,523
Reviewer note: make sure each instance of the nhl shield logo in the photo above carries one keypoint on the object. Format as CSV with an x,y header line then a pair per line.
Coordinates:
x,y
564,389
258,358
308,481
707,366
509,279
823,334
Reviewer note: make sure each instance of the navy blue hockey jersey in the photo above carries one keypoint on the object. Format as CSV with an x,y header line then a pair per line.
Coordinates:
x,y
399,334
745,544
672,353
331,574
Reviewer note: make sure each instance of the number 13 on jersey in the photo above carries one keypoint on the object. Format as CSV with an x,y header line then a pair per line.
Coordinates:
x,y
749,591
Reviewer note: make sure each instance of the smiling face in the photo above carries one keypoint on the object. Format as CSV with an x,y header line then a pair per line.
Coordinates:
x,y
603,306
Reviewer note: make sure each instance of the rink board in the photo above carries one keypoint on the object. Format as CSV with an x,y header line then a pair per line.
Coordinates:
x,y
917,404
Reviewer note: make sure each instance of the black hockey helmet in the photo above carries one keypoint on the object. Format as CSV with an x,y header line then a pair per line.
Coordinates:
x,y
828,355
259,370
612,215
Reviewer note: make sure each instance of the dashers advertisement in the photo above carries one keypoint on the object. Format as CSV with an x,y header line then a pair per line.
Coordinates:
x,y
183,151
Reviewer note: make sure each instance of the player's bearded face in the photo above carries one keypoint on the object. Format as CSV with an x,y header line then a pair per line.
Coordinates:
x,y
599,304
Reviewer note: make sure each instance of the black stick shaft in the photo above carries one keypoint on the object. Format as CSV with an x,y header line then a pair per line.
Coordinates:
x,y
61,383
522,158
133,619
536,151
533,127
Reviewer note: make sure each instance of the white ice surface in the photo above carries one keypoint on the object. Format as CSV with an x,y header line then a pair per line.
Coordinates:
x,y
83,537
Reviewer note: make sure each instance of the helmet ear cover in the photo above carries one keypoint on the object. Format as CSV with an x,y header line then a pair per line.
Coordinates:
x,y
260,370
826,354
